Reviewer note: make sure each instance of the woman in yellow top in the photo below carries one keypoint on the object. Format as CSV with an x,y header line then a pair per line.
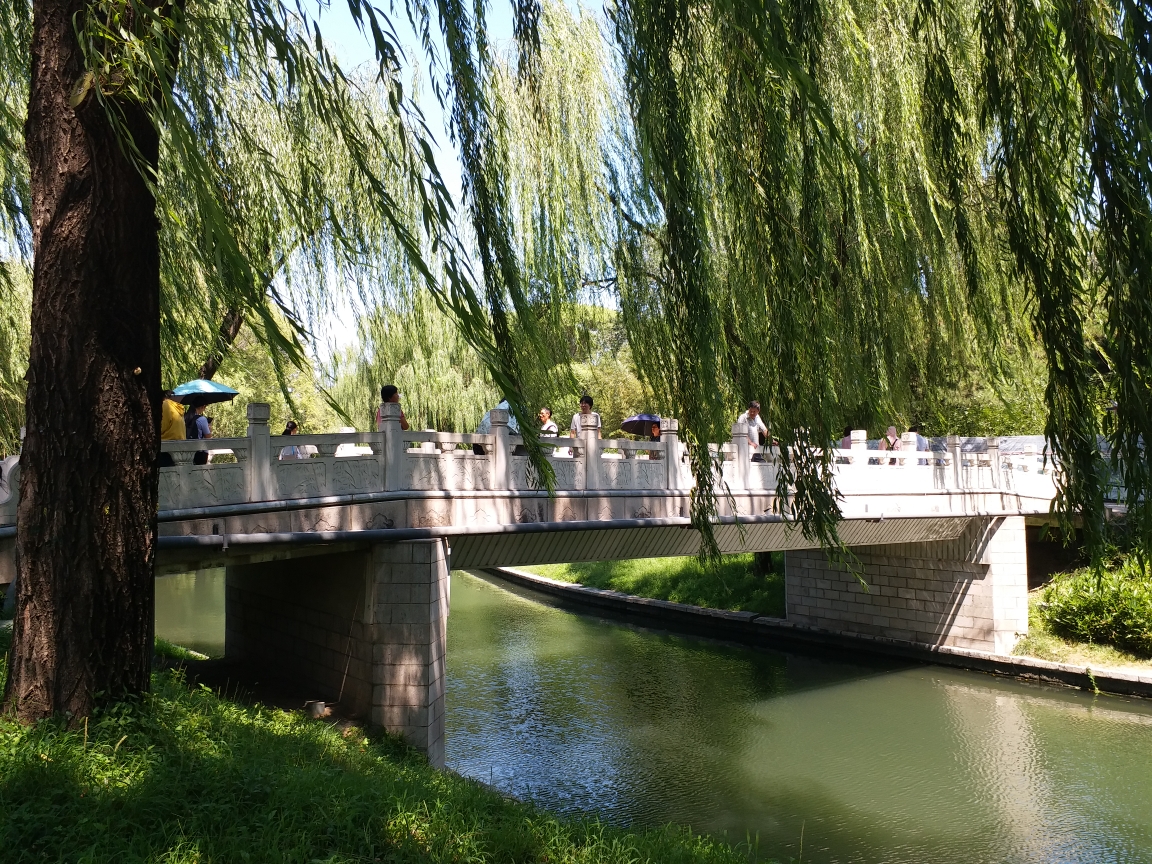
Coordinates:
x,y
171,425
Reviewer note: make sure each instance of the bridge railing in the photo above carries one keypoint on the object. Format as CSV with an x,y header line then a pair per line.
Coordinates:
x,y
264,467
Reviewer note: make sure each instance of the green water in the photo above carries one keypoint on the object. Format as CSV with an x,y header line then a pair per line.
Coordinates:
x,y
190,611
870,762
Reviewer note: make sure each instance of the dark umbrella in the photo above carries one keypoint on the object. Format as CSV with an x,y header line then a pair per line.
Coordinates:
x,y
204,392
641,424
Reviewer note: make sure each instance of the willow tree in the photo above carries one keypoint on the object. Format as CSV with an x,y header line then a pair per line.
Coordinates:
x,y
128,106
822,204
799,191
411,343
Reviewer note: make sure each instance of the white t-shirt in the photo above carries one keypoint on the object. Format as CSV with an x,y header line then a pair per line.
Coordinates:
x,y
580,422
755,427
550,427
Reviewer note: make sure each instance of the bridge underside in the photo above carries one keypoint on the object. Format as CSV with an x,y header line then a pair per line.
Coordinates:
x,y
364,622
548,543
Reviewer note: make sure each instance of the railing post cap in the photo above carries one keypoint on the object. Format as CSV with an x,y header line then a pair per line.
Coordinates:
x,y
498,417
953,440
669,424
259,412
390,410
859,435
993,442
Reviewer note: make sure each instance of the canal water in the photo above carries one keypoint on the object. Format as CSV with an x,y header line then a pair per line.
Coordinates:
x,y
861,761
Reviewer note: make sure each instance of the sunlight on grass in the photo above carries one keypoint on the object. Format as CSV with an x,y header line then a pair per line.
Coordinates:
x,y
1044,644
735,585
184,776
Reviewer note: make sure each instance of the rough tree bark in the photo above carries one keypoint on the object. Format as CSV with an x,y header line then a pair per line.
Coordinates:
x,y
88,493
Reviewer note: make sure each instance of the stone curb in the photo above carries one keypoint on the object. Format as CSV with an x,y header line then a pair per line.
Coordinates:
x,y
753,629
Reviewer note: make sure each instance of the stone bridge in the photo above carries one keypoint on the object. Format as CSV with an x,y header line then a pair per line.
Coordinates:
x,y
337,564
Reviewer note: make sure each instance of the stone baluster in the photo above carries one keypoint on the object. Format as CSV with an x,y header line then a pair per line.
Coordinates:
x,y
1029,457
326,448
954,452
670,440
182,457
394,458
859,447
261,485
994,460
8,507
743,456
907,450
591,448
501,463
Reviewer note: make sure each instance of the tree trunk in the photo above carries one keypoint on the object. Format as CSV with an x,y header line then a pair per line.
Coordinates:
x,y
229,330
88,493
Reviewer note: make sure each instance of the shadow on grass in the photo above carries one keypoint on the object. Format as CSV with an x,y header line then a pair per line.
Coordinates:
x,y
183,775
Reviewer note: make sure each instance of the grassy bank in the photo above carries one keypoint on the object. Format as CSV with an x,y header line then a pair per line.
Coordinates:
x,y
735,585
1105,622
185,776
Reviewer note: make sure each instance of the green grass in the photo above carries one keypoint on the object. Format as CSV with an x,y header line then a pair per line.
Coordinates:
x,y
183,775
1109,614
734,585
166,649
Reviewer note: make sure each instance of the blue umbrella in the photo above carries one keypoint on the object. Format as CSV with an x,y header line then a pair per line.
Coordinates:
x,y
204,392
640,424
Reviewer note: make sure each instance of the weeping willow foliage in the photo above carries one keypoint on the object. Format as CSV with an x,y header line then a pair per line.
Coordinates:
x,y
301,210
284,184
443,382
839,207
14,314
824,204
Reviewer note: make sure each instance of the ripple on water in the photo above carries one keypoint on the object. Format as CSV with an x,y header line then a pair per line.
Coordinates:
x,y
874,762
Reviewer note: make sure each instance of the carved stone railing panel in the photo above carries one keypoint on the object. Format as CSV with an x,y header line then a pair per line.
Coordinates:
x,y
301,478
392,460
201,486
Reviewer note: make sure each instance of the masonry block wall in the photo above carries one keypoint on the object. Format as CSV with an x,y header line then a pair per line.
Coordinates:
x,y
365,629
410,614
303,621
971,592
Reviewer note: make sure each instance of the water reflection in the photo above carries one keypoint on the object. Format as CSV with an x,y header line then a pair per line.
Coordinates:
x,y
190,610
873,763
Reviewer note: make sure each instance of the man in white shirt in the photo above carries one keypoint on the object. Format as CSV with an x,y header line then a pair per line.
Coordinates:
x,y
547,424
755,426
586,419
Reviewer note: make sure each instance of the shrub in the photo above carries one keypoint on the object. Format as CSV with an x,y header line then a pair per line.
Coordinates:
x,y
1114,608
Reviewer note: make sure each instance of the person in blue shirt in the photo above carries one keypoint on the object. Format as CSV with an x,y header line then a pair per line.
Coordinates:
x,y
197,427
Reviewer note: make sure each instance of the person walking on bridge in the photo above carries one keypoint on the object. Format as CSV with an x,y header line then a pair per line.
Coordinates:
x,y
547,424
391,393
756,428
171,425
891,441
587,419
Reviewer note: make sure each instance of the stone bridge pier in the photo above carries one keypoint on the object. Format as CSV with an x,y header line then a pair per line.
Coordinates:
x,y
365,629
967,592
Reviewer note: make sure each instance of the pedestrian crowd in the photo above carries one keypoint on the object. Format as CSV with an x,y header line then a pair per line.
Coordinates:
x,y
187,421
